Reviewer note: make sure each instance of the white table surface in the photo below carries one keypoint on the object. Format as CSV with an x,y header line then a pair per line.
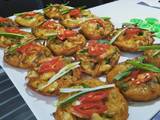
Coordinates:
x,y
119,11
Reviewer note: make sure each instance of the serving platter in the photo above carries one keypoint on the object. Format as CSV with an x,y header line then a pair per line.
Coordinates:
x,y
120,12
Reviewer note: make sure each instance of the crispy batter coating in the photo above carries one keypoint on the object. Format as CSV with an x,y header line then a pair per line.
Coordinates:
x,y
145,91
130,41
47,29
98,65
117,107
36,80
29,20
96,28
8,41
25,60
153,57
67,47
55,11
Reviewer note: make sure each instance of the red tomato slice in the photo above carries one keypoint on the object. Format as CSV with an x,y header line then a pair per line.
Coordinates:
x,y
67,33
93,96
132,31
96,49
48,24
30,14
14,30
29,48
53,65
3,19
86,110
99,21
142,78
75,12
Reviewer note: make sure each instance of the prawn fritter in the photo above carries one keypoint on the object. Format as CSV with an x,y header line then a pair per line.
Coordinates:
x,y
105,104
47,29
153,56
136,84
96,28
38,77
98,57
27,55
55,11
132,38
66,43
6,22
10,36
75,17
30,19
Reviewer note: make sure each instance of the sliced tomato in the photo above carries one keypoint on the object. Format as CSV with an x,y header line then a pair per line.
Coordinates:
x,y
93,96
3,19
29,49
96,49
86,110
48,24
31,14
99,21
67,33
132,31
53,65
14,30
75,12
142,78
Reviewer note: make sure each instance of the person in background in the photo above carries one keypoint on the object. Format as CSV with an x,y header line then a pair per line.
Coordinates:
x,y
10,7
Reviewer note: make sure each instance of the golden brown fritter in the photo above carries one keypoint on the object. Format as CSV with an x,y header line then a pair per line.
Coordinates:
x,y
132,38
139,85
26,56
6,22
96,28
55,11
75,17
97,58
7,39
47,29
30,19
67,43
39,76
117,107
152,56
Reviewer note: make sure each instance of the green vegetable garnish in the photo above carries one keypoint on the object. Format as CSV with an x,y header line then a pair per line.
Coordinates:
x,y
83,51
18,45
105,18
117,35
123,74
62,72
156,53
144,66
103,41
82,91
136,21
12,35
150,47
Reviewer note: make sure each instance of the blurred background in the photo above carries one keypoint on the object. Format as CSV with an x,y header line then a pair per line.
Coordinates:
x,y
9,7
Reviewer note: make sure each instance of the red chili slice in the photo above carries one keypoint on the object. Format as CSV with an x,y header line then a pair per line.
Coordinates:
x,y
48,24
30,14
29,49
86,110
14,30
53,65
96,49
94,96
75,12
142,78
67,33
132,31
99,21
3,19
